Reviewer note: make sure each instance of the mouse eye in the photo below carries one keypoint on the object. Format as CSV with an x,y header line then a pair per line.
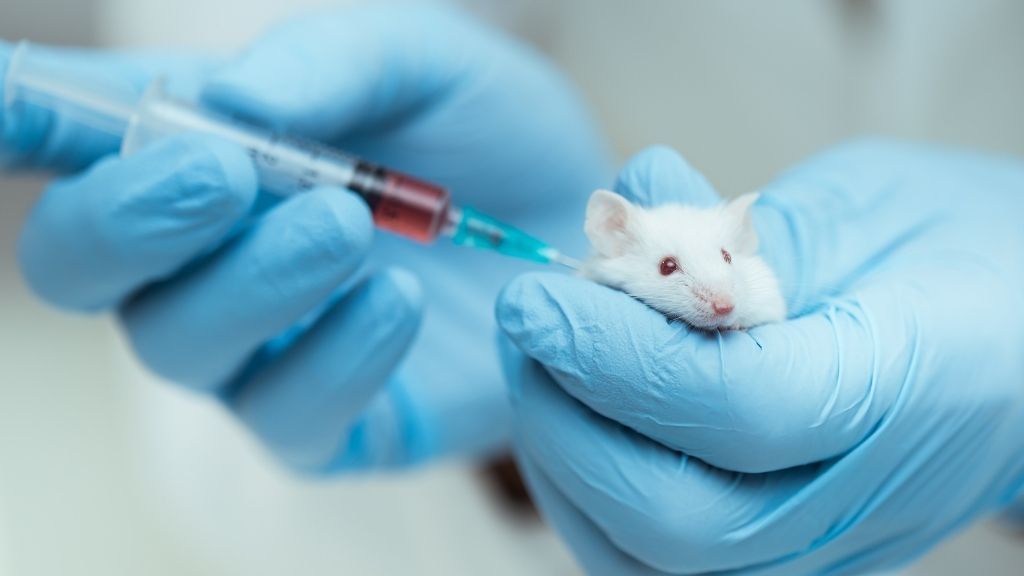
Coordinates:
x,y
726,256
668,265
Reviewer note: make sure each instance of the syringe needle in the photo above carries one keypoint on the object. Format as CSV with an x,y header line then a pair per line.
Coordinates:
x,y
468,227
568,262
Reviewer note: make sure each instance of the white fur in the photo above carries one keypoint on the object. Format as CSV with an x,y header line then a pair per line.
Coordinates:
x,y
630,242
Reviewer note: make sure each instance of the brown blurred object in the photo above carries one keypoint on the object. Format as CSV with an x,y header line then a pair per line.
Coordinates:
x,y
505,482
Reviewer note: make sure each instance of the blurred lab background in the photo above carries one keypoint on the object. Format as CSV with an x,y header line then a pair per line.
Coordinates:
x,y
103,470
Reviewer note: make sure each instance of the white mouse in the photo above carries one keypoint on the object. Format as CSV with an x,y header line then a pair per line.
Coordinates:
x,y
699,265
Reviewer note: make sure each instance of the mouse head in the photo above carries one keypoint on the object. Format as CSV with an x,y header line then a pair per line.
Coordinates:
x,y
684,261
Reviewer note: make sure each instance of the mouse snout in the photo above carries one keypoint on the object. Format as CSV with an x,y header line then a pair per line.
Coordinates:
x,y
720,304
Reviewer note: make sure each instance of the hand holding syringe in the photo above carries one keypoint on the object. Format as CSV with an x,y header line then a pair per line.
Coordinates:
x,y
399,203
337,349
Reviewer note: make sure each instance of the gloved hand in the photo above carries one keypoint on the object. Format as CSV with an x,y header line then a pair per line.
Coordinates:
x,y
261,303
885,415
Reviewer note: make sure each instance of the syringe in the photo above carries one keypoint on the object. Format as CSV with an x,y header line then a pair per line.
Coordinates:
x,y
399,203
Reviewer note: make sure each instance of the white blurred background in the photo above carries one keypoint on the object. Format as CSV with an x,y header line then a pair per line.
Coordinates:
x,y
105,471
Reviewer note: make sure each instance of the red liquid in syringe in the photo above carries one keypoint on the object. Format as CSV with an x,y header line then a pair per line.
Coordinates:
x,y
402,204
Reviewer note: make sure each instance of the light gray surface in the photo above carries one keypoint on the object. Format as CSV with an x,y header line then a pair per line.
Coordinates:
x,y
743,89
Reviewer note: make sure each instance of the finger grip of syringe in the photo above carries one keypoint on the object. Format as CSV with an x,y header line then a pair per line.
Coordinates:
x,y
399,203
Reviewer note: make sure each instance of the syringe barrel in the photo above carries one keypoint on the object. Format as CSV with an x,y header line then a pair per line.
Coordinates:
x,y
43,88
399,203
97,103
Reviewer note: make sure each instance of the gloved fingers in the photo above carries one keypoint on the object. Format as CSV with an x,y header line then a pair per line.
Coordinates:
x,y
826,222
846,554
421,417
304,401
33,137
344,71
773,397
659,175
200,327
591,547
668,510
94,239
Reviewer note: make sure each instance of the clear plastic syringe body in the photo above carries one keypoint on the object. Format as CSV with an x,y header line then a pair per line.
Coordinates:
x,y
39,82
399,203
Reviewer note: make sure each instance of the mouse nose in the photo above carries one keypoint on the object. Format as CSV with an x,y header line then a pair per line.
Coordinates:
x,y
722,306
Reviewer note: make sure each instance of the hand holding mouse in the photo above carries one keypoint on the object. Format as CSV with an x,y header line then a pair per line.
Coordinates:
x,y
884,415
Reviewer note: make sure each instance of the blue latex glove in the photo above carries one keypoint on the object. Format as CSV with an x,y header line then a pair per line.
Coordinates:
x,y
888,413
262,303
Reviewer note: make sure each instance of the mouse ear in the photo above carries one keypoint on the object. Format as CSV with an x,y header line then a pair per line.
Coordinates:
x,y
738,210
610,223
